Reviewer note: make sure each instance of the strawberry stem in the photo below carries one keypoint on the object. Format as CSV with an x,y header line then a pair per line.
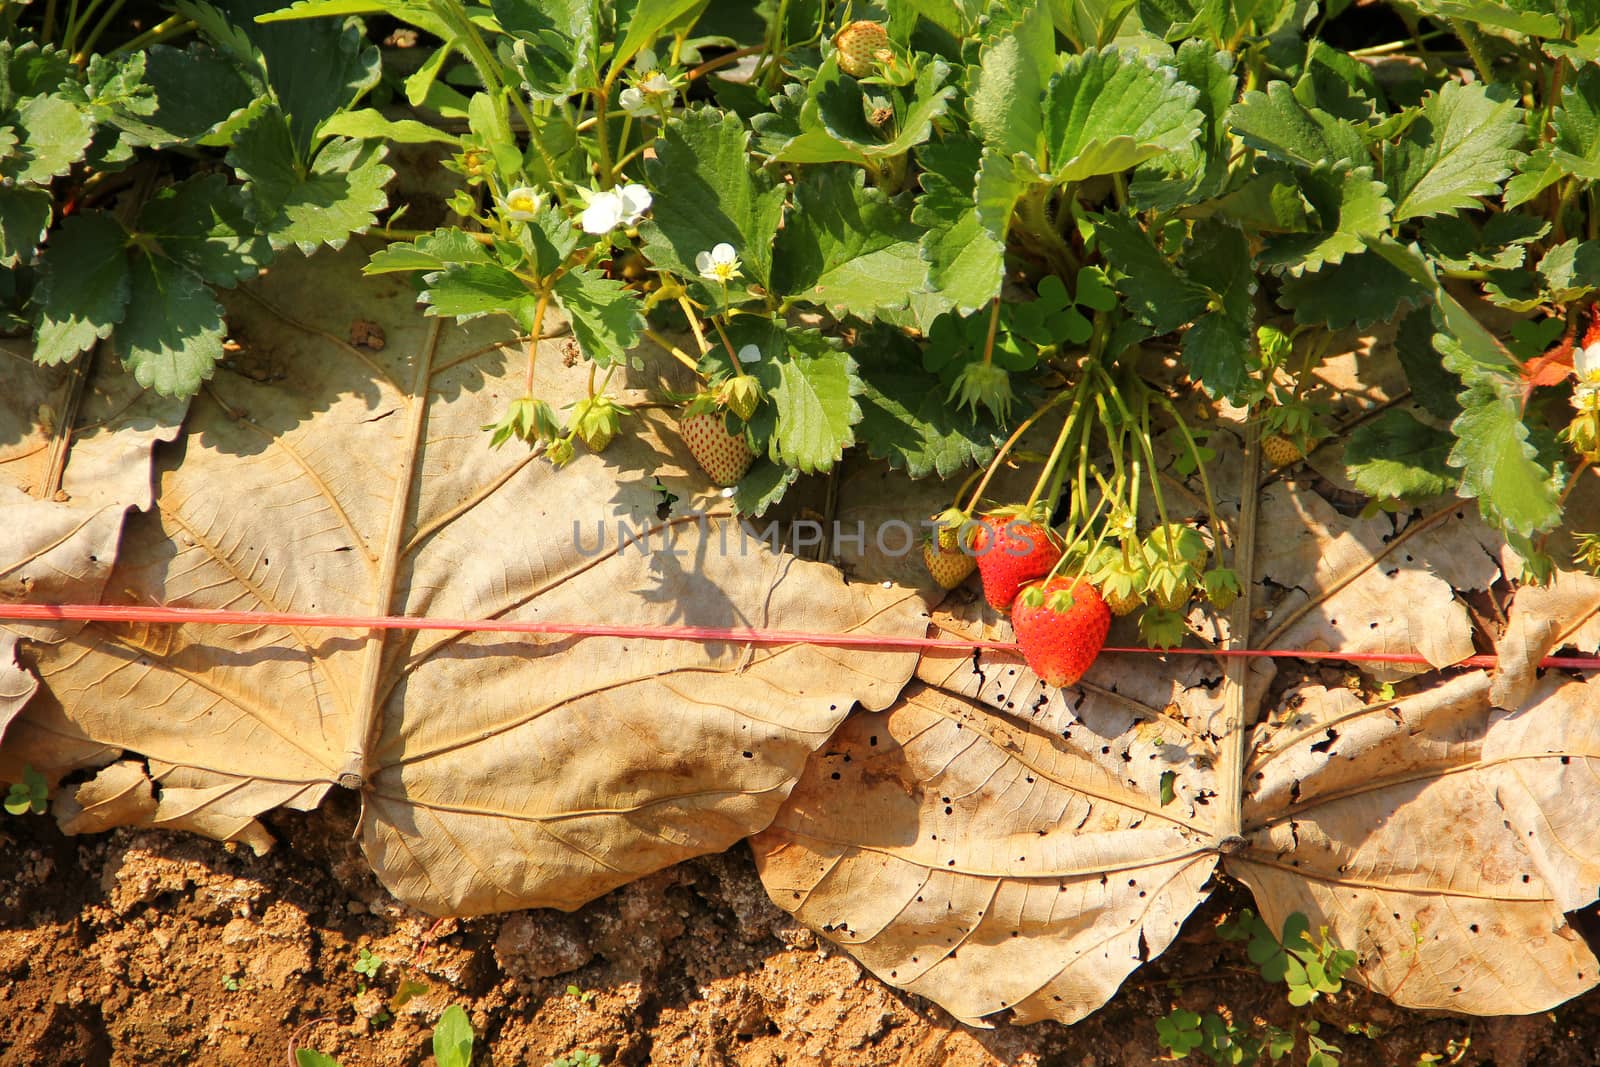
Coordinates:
x,y
994,329
1217,529
1016,435
673,350
533,341
1067,430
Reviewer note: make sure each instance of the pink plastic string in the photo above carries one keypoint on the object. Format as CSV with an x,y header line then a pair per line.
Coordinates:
x,y
222,617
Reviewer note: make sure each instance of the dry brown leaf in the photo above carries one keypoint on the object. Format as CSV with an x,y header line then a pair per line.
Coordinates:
x,y
1433,817
1563,614
986,860
75,448
119,795
17,686
1440,839
1351,587
496,772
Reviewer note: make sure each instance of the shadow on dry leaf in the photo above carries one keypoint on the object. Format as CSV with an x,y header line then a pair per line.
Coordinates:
x,y
495,774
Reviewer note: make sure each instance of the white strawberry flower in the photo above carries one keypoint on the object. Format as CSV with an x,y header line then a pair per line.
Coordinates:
x,y
615,207
1586,361
721,264
520,204
650,95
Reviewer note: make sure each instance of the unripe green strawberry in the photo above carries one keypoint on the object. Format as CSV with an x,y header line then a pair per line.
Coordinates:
x,y
741,395
559,451
1279,451
949,566
1061,627
1120,575
1122,601
1011,551
596,420
723,456
858,44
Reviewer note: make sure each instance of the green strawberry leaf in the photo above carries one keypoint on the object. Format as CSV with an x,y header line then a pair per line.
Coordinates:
x,y
1107,111
841,107
24,218
812,388
1498,464
1570,270
557,40
1339,84
605,315
200,96
1477,353
907,418
55,134
1462,147
341,192
707,194
1010,78
1433,387
1200,169
1276,123
1157,293
792,132
763,487
1216,348
116,86
83,287
171,336
1577,125
433,251
470,290
202,224
1349,207
965,261
1539,172
847,247
370,124
1395,455
1359,290
30,70
315,67
649,19
1534,18
1000,186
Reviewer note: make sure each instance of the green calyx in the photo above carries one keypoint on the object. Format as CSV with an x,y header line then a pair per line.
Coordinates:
x,y
595,420
985,384
1161,628
741,394
527,419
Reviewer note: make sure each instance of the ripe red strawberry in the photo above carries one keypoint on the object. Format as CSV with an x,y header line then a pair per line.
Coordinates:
x,y
1011,551
1061,627
949,566
859,44
1279,451
720,454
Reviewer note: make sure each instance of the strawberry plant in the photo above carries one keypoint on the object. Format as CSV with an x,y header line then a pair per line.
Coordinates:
x,y
120,214
1063,266
921,233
